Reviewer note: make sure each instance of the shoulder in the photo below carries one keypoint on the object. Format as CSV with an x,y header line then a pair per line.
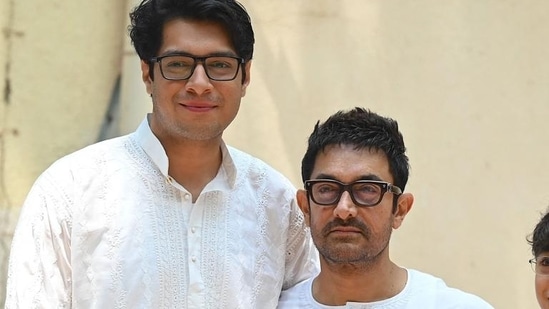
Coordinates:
x,y
85,164
91,155
298,296
430,287
252,167
244,159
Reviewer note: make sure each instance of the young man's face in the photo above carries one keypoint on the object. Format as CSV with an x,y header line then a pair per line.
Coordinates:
x,y
344,232
197,108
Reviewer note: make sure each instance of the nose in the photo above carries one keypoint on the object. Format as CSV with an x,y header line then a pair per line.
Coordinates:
x,y
199,82
345,208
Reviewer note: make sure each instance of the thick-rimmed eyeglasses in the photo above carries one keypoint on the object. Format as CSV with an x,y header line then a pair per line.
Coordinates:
x,y
327,192
540,265
181,67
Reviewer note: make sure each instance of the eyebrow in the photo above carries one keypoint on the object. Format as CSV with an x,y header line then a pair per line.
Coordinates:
x,y
182,53
363,177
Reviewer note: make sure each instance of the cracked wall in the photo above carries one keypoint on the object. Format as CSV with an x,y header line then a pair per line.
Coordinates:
x,y
59,62
8,212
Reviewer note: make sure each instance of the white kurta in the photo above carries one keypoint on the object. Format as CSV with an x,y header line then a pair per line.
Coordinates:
x,y
106,227
422,291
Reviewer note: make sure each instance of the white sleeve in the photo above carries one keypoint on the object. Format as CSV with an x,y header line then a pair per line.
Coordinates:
x,y
301,257
39,271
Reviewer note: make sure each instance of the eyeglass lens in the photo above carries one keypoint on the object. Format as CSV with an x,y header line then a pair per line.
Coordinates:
x,y
182,67
540,265
363,193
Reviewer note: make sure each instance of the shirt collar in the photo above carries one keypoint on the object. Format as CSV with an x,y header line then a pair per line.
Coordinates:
x,y
154,149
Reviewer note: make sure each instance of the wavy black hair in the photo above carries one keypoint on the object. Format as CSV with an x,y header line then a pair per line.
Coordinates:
x,y
149,17
539,239
362,129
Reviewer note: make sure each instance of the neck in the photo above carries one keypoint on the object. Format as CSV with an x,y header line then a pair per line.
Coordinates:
x,y
193,164
338,284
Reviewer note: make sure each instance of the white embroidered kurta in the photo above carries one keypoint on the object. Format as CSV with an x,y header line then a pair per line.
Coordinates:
x,y
106,227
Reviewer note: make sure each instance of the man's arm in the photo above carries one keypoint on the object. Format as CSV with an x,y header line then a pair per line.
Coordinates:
x,y
39,271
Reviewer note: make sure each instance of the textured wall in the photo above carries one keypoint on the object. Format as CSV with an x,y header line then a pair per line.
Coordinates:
x,y
467,80
6,218
60,60
469,83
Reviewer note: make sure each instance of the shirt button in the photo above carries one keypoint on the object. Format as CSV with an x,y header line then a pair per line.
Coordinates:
x,y
193,259
187,196
193,230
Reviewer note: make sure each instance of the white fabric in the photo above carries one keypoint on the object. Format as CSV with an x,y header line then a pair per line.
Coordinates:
x,y
106,227
422,291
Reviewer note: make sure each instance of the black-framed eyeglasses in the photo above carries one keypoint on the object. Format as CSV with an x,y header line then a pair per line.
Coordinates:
x,y
181,67
540,265
327,192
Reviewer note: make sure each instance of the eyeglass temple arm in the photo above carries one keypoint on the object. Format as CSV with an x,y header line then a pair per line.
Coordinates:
x,y
395,189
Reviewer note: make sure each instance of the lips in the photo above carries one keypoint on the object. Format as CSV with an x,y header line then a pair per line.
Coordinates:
x,y
198,106
346,229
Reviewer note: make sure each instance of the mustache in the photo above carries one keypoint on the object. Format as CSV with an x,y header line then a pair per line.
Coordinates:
x,y
353,222
204,97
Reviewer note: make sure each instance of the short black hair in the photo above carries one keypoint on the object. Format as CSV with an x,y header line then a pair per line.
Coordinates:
x,y
539,239
362,129
148,20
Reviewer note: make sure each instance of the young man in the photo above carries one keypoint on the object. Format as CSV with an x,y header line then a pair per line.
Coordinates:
x,y
169,216
540,263
355,171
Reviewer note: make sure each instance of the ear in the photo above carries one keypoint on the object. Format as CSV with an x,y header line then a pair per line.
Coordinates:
x,y
303,202
146,76
404,205
246,82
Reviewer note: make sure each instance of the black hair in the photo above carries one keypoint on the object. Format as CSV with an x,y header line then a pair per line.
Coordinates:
x,y
362,129
539,239
149,17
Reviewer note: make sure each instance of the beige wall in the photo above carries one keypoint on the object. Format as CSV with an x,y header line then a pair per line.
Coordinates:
x,y
467,80
64,58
